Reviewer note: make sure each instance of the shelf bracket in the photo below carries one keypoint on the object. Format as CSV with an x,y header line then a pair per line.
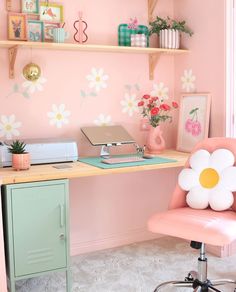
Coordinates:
x,y
8,5
153,60
12,52
151,6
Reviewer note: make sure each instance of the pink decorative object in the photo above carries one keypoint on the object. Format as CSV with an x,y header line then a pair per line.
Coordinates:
x,y
133,23
155,143
138,40
21,161
80,26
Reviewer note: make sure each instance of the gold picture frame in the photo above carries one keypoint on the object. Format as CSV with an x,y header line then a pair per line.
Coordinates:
x,y
51,12
17,26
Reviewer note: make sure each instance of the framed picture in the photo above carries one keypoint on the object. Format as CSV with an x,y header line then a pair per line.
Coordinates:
x,y
193,120
17,26
35,31
30,6
51,12
48,27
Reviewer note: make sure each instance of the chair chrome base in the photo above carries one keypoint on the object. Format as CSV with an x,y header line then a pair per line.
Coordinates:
x,y
198,280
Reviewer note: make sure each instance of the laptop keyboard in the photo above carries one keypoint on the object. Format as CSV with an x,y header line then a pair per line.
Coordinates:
x,y
116,160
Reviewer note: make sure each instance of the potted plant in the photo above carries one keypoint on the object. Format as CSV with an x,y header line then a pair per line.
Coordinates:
x,y
20,158
168,31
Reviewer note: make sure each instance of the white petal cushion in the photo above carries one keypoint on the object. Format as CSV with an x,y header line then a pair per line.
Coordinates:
x,y
219,195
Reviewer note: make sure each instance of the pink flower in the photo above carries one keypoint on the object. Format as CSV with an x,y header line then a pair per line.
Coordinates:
x,y
146,96
175,104
188,125
141,103
154,111
165,107
196,128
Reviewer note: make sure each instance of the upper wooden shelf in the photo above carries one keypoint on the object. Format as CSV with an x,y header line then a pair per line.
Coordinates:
x,y
153,53
92,48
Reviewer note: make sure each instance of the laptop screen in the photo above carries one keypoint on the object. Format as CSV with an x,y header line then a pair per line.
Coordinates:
x,y
105,135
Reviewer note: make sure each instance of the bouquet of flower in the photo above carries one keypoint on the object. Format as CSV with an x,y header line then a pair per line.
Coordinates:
x,y
156,110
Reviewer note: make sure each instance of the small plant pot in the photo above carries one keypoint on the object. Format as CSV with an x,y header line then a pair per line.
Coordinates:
x,y
169,39
21,161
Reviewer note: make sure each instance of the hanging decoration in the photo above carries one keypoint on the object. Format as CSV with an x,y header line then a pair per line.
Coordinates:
x,y
32,72
80,26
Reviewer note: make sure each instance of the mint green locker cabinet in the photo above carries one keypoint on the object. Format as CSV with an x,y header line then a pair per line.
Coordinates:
x,y
36,229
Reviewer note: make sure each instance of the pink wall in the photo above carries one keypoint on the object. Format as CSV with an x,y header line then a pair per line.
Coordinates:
x,y
111,210
207,54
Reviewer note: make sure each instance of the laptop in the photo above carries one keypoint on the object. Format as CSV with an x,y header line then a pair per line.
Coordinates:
x,y
107,135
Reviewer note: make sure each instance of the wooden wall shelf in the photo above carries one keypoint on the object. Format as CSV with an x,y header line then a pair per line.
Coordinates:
x,y
153,53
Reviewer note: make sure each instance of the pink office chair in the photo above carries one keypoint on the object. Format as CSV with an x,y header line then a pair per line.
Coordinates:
x,y
199,226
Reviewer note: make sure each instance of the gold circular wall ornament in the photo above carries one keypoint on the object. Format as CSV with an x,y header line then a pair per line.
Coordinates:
x,y
31,72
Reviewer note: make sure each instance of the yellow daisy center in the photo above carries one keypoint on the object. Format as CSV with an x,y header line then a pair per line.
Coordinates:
x,y
8,127
98,79
59,116
209,178
130,104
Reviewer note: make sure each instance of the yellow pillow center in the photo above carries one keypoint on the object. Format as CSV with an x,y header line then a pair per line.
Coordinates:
x,y
209,178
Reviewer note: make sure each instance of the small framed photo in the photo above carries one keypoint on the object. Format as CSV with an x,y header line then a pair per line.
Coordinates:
x,y
35,31
48,27
194,118
17,26
51,12
30,6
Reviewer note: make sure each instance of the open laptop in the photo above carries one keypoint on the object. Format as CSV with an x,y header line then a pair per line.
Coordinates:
x,y
107,135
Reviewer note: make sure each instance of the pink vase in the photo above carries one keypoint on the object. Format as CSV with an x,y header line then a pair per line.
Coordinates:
x,y
155,143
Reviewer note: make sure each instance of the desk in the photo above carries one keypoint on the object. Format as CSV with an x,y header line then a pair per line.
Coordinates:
x,y
77,170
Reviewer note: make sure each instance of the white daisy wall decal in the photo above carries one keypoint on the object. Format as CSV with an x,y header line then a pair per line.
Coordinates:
x,y
103,120
9,127
188,80
58,116
210,180
97,79
160,90
129,104
34,86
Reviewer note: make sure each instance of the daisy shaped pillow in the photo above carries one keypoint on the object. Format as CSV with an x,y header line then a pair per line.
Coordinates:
x,y
210,180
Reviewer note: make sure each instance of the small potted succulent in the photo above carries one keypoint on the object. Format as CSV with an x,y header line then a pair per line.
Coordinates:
x,y
20,158
168,31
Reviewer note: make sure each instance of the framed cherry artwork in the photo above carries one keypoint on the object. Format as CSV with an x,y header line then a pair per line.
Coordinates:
x,y
194,117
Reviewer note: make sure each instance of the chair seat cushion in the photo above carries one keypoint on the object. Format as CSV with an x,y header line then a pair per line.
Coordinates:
x,y
207,226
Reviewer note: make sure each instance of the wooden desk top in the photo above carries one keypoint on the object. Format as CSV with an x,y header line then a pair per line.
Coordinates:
x,y
79,169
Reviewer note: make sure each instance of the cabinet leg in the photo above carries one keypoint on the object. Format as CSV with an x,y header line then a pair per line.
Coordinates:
x,y
68,281
12,286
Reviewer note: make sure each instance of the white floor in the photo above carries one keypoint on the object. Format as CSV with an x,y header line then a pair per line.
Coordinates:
x,y
134,268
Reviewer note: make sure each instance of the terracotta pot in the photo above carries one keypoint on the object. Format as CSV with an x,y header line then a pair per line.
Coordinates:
x,y
21,161
155,143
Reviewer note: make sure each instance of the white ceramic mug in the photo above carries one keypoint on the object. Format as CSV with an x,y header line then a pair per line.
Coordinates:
x,y
59,35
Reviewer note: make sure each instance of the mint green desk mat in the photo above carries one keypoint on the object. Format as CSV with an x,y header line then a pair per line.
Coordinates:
x,y
96,161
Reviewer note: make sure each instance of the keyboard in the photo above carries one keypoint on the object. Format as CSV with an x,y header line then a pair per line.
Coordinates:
x,y
116,160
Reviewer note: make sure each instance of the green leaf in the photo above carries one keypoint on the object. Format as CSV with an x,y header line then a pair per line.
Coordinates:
x,y
93,93
82,93
15,87
26,94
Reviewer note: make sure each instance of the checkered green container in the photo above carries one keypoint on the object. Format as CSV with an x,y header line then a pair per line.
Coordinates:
x,y
124,34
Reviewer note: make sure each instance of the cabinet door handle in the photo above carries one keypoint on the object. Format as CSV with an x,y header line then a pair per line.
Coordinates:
x,y
62,215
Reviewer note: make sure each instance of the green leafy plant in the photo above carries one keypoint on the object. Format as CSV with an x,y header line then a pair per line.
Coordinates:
x,y
17,147
161,23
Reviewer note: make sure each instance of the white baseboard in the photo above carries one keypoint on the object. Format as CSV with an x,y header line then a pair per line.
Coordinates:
x,y
111,241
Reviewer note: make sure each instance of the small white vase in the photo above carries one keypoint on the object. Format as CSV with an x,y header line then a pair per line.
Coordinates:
x,y
169,39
